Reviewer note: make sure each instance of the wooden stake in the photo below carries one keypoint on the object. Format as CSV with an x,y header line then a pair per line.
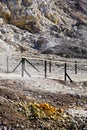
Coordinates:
x,y
45,69
75,67
65,71
23,66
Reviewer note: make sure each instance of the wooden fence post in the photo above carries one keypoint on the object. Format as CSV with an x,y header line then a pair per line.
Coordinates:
x,y
65,74
75,67
45,68
65,71
23,66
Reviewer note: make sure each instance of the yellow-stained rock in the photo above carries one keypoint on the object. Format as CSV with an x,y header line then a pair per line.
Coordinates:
x,y
52,17
60,110
4,11
29,22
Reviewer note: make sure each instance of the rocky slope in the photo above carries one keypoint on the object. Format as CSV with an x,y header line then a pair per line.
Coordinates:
x,y
57,27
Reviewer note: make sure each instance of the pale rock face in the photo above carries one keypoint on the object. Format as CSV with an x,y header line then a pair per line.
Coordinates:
x,y
28,14
21,14
83,4
5,48
57,26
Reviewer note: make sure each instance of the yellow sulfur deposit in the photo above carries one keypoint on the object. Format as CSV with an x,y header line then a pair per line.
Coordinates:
x,y
40,110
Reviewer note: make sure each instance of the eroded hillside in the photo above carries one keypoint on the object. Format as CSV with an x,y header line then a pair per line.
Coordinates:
x,y
58,26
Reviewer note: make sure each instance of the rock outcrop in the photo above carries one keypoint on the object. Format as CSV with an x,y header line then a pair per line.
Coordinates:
x,y
48,26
